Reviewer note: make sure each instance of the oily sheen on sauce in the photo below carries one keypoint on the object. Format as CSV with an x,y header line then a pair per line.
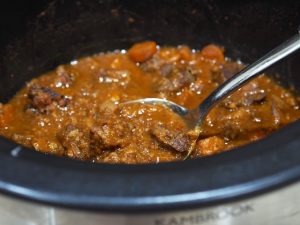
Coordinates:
x,y
75,111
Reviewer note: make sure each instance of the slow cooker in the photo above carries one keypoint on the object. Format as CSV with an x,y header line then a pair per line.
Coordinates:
x,y
254,184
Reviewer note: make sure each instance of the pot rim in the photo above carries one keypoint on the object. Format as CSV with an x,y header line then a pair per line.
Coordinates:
x,y
246,171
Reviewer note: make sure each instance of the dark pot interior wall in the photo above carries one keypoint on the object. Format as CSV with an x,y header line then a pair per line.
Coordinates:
x,y
36,36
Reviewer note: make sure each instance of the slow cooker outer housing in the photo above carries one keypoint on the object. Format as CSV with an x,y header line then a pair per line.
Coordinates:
x,y
37,36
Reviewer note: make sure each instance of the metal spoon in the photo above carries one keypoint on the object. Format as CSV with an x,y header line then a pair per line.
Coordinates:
x,y
195,117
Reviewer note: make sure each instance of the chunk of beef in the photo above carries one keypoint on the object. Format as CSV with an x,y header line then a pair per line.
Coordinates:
x,y
128,155
43,99
171,139
76,142
183,78
217,75
64,79
231,68
153,65
250,94
255,96
165,85
178,80
166,69
209,146
110,134
276,106
172,78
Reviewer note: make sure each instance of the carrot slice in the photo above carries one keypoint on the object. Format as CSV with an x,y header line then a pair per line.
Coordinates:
x,y
142,51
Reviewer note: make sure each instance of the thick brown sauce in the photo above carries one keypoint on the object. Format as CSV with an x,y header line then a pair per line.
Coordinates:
x,y
75,110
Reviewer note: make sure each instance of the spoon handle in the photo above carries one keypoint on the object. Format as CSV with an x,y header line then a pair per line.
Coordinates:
x,y
247,74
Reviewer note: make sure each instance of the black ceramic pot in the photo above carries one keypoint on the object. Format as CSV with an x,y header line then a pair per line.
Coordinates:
x,y
256,183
